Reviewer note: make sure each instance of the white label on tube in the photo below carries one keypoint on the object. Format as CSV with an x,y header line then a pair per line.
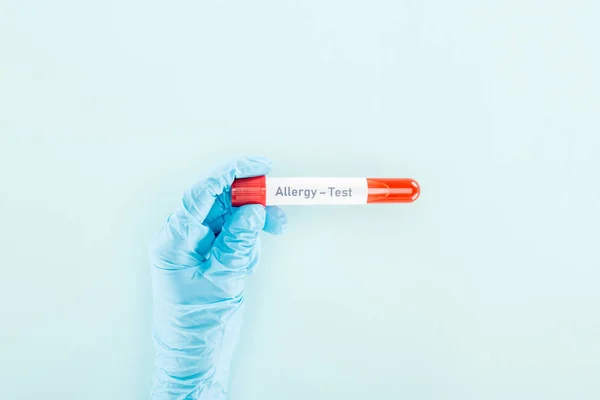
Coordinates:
x,y
316,191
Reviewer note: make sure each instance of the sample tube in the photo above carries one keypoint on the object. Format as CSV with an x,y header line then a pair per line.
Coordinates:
x,y
322,191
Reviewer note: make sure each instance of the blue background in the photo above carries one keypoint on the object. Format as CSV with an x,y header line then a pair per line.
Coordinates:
x,y
486,288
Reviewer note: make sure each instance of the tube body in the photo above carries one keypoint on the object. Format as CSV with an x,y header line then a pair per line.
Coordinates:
x,y
322,191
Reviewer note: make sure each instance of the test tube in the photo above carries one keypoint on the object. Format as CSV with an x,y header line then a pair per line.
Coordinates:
x,y
322,191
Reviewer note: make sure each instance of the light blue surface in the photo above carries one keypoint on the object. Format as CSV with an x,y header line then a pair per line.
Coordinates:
x,y
486,288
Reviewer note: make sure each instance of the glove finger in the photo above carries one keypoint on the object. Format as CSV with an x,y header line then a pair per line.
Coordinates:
x,y
236,249
276,221
200,198
203,207
179,246
275,224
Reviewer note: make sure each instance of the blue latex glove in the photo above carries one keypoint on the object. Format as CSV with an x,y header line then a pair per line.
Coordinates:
x,y
199,261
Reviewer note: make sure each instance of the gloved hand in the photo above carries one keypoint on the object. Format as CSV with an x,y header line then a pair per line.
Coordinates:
x,y
199,261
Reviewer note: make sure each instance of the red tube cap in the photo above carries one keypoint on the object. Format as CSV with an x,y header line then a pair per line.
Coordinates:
x,y
249,191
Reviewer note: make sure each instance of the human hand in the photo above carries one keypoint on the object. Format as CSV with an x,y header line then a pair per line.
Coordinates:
x,y
199,261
